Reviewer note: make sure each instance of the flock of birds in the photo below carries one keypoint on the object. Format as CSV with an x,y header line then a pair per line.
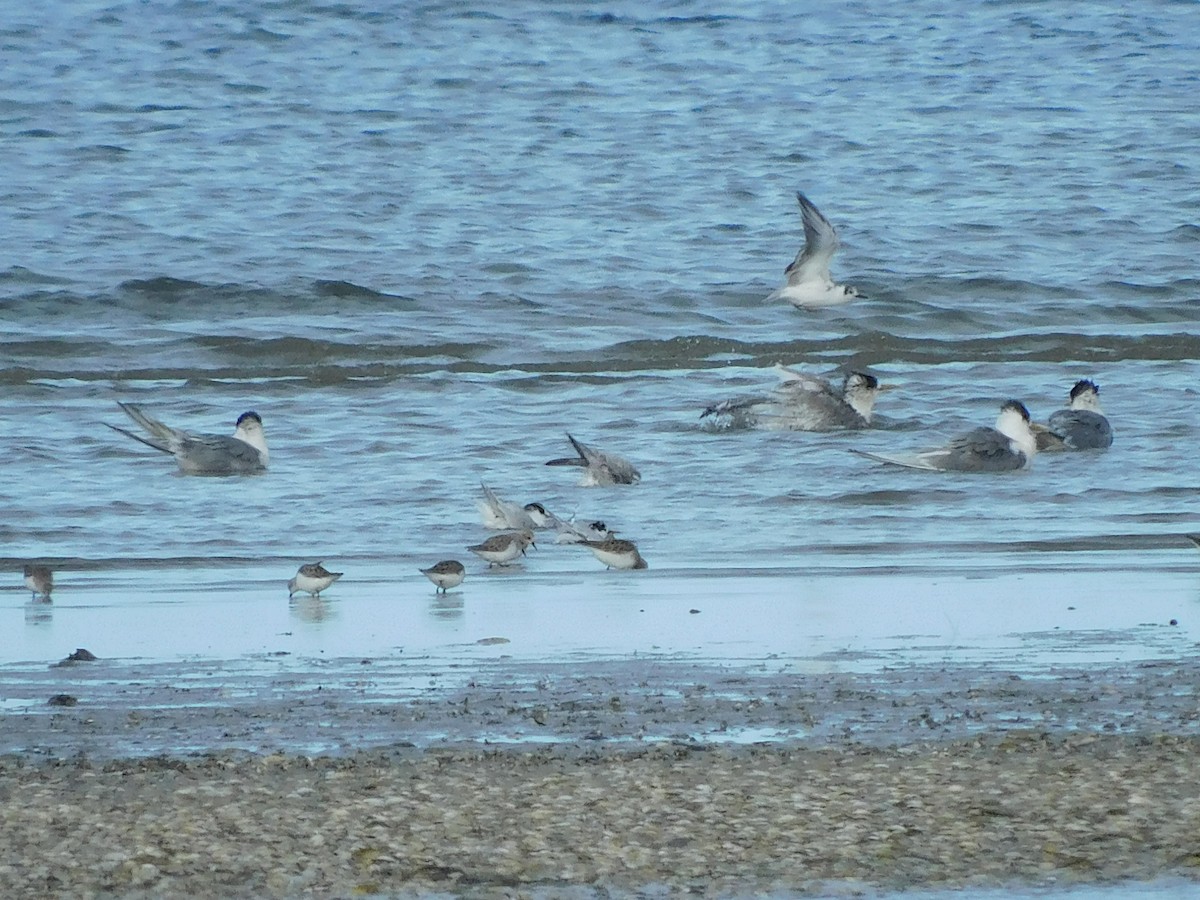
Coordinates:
x,y
517,524
245,453
800,402
807,403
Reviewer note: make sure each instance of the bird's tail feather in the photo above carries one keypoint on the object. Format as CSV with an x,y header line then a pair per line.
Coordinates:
x,y
156,428
585,452
908,462
149,442
583,459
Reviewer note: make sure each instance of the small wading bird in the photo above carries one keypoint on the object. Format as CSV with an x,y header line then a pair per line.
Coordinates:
x,y
40,581
502,549
311,579
616,553
600,468
243,453
1081,426
809,283
803,403
446,574
1010,445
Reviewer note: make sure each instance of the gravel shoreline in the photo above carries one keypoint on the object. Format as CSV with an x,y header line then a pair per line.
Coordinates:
x,y
666,818
919,777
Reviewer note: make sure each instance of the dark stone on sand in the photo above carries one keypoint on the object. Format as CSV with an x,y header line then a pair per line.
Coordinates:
x,y
62,700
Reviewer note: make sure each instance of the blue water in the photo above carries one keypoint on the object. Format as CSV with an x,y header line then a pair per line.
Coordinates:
x,y
424,242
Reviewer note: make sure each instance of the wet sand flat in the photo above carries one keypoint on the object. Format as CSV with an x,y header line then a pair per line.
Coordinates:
x,y
545,737
337,707
597,778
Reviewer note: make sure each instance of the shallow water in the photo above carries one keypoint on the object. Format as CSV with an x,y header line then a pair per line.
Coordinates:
x,y
424,244
1160,890
848,621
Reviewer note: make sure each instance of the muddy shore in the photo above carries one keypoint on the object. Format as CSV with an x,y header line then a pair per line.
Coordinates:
x,y
280,704
607,778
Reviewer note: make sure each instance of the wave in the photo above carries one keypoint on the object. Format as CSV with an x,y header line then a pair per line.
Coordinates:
x,y
925,300
875,347
330,332
180,290
19,275
354,357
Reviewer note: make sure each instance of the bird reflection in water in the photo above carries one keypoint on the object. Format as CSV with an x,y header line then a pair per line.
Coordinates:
x,y
446,606
312,610
39,581
39,612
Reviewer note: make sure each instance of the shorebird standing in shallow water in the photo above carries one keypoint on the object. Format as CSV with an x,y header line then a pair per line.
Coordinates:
x,y
502,549
243,453
40,581
446,574
1010,445
1081,426
809,283
311,579
616,553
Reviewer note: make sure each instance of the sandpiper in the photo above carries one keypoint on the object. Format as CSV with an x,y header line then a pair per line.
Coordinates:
x,y
312,578
502,549
616,553
39,580
446,574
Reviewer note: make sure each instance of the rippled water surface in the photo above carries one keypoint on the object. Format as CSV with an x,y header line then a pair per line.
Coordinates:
x,y
424,243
